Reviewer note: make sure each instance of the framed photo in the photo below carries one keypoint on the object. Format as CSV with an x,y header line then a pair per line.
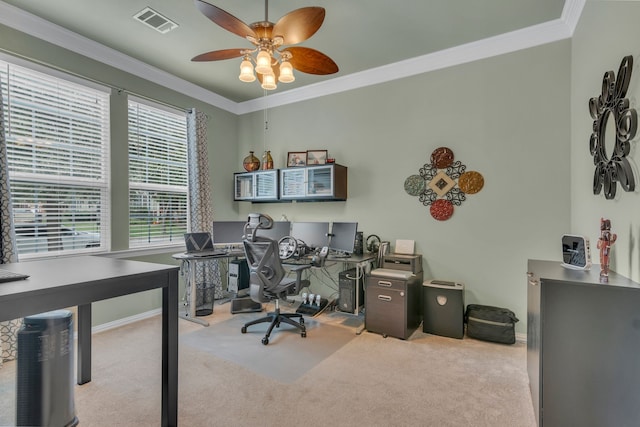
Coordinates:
x,y
296,158
316,157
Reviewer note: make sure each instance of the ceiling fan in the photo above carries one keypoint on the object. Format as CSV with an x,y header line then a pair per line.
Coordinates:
x,y
276,58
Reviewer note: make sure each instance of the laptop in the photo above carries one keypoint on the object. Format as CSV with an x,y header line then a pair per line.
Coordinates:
x,y
200,245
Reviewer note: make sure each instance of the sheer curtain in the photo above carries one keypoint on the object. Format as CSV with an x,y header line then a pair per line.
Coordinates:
x,y
9,329
208,275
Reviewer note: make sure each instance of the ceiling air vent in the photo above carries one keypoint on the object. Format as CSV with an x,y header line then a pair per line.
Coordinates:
x,y
154,20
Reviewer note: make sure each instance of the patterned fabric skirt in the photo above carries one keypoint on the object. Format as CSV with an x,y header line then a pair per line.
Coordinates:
x,y
9,340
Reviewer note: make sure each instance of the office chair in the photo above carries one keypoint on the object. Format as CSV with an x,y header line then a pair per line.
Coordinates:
x,y
267,281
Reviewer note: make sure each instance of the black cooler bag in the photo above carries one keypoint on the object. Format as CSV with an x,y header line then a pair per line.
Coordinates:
x,y
489,323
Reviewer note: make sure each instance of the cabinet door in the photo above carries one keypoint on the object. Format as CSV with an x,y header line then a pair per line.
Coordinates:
x,y
266,185
243,186
320,181
292,183
385,311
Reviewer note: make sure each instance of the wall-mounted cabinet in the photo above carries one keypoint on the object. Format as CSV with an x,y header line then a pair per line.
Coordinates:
x,y
259,186
313,183
310,183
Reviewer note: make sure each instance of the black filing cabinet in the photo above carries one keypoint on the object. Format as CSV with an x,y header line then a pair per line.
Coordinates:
x,y
392,302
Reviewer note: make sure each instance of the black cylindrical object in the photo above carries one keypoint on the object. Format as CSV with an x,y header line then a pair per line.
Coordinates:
x,y
358,246
45,381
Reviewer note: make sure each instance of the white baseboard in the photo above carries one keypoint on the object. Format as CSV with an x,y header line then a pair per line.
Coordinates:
x,y
520,337
125,321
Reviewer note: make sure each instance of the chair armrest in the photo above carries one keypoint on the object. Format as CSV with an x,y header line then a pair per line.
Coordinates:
x,y
298,269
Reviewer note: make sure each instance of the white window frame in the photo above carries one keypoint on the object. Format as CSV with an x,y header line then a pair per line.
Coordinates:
x,y
152,224
49,115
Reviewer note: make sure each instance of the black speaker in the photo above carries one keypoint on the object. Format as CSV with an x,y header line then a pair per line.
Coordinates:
x,y
347,291
358,247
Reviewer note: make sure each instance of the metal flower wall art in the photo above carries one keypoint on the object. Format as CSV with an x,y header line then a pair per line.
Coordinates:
x,y
614,125
443,184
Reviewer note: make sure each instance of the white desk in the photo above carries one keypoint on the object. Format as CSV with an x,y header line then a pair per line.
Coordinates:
x,y
189,263
360,262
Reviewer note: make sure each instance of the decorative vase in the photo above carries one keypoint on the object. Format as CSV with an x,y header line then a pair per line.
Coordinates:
x,y
251,163
267,160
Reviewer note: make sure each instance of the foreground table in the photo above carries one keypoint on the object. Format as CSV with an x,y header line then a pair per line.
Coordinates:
x,y
79,281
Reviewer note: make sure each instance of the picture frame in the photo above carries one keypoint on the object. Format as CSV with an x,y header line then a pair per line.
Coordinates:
x,y
296,159
316,157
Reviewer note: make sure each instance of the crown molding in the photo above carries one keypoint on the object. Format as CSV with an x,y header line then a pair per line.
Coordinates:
x,y
536,35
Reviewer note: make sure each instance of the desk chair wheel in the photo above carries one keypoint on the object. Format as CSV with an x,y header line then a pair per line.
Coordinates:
x,y
244,330
265,340
303,334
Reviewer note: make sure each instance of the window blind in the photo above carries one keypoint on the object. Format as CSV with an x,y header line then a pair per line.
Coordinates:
x,y
57,135
158,175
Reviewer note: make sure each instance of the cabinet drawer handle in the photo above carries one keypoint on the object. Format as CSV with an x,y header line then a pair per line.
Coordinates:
x,y
384,283
384,297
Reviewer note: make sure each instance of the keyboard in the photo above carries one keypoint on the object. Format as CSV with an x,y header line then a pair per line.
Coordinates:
x,y
294,261
235,252
207,253
10,276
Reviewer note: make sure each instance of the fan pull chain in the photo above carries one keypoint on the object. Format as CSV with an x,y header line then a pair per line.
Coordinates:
x,y
266,124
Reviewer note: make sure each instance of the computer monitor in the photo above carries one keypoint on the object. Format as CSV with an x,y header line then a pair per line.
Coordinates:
x,y
227,232
343,236
279,230
313,234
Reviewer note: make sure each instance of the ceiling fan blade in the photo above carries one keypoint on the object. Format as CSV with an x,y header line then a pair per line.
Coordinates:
x,y
224,19
311,61
218,55
299,25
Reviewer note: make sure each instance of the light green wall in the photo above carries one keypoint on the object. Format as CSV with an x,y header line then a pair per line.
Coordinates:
x,y
506,117
607,32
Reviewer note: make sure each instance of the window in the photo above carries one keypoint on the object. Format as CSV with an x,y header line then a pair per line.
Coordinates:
x,y
57,133
157,175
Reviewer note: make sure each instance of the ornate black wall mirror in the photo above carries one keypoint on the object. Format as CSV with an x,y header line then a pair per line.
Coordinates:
x,y
614,126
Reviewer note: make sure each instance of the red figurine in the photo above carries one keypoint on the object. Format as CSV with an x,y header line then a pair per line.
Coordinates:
x,y
604,244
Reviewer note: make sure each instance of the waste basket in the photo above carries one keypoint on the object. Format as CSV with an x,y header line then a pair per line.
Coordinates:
x,y
443,308
45,380
205,297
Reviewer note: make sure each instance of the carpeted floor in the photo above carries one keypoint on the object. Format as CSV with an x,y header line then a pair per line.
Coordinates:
x,y
369,380
274,360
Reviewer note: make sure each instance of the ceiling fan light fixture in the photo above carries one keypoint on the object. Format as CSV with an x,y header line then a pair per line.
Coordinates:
x,y
269,81
246,71
286,72
272,49
263,62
